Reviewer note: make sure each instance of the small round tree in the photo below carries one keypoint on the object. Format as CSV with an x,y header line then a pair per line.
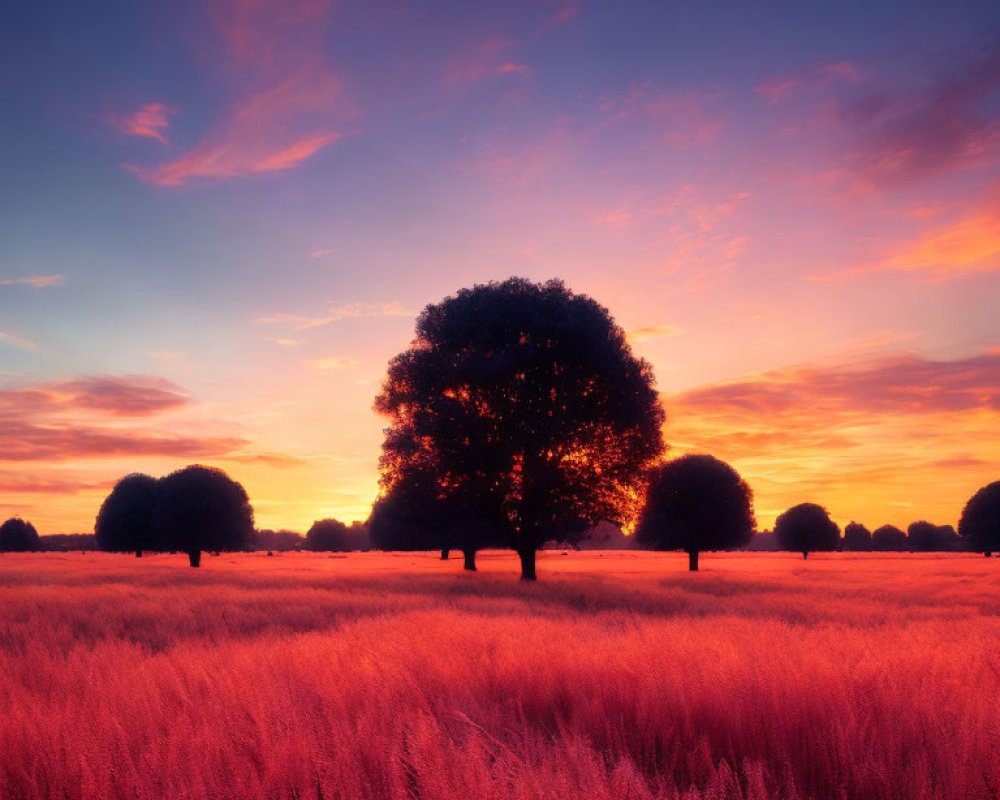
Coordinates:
x,y
857,537
980,522
202,508
889,539
925,536
696,503
807,528
125,522
18,536
329,535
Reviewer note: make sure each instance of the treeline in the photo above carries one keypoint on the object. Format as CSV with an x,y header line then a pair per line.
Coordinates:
x,y
518,416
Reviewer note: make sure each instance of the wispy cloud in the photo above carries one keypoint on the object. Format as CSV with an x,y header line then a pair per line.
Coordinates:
x,y
34,281
17,341
485,59
946,124
351,311
149,120
119,396
652,332
968,246
335,362
287,104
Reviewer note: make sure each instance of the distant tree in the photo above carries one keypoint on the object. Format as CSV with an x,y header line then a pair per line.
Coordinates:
x,y
202,508
18,536
980,522
857,537
125,521
67,542
330,535
889,539
949,538
696,503
417,515
807,528
275,541
528,398
763,542
925,536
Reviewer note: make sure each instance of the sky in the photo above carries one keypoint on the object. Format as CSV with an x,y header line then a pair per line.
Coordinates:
x,y
219,220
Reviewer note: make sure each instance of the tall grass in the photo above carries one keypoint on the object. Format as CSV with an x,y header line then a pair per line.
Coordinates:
x,y
396,676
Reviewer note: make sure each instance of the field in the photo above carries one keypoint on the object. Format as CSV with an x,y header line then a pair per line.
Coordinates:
x,y
619,675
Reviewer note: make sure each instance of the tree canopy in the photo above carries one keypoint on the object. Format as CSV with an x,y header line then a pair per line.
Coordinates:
x,y
125,521
202,508
526,401
696,503
807,528
889,538
980,522
18,535
857,537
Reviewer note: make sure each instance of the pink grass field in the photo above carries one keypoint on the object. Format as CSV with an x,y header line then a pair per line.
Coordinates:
x,y
619,675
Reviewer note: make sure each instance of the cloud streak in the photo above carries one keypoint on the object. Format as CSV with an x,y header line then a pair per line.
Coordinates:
x,y
149,120
286,103
34,281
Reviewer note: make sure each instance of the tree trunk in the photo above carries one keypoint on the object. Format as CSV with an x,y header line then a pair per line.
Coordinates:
x,y
194,556
470,560
527,564
988,554
138,552
805,554
692,560
445,552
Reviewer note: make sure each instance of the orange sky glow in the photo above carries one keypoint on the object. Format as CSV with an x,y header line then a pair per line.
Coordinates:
x,y
221,220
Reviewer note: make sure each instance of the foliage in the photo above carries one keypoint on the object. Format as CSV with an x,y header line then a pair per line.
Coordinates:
x,y
525,400
889,538
202,508
696,503
980,522
125,520
857,537
807,528
18,535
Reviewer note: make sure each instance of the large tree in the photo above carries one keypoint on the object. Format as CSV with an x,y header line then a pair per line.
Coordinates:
x,y
18,535
202,508
696,503
332,535
528,398
980,522
807,528
125,521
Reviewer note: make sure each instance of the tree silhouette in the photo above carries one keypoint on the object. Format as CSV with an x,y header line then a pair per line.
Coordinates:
x,y
202,508
696,503
807,528
18,536
415,514
331,535
125,521
889,539
980,522
927,537
857,537
525,398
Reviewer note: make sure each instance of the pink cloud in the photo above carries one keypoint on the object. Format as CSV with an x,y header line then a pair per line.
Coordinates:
x,y
777,89
287,104
350,311
484,60
119,396
148,120
34,281
945,125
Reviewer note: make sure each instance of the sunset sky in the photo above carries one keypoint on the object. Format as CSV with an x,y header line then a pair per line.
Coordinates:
x,y
218,221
